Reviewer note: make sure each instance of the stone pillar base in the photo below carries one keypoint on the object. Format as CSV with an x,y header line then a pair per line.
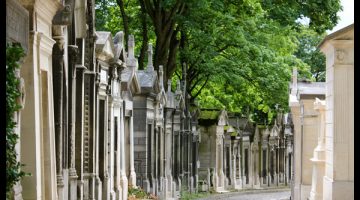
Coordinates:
x,y
257,182
73,185
60,187
124,187
147,186
238,184
113,195
118,193
315,196
191,185
173,189
179,181
132,179
98,188
333,190
154,189
80,185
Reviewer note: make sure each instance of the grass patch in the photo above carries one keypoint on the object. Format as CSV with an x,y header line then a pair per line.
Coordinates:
x,y
138,193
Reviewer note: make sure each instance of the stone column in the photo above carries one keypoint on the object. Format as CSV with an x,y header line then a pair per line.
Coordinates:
x,y
58,85
240,166
233,171
96,143
219,175
296,116
118,157
73,51
123,178
284,162
132,169
257,166
286,169
168,176
277,165
261,165
319,155
111,148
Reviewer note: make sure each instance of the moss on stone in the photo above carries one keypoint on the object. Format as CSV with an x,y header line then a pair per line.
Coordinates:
x,y
209,114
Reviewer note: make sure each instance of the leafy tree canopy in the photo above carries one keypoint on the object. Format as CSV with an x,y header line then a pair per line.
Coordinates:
x,y
238,54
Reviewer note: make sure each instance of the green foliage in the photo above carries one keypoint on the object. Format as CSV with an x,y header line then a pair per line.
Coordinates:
x,y
307,51
14,53
108,18
138,193
239,54
322,14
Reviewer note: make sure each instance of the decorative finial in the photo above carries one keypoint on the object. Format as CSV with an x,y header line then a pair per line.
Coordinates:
x,y
178,86
131,45
161,76
150,66
119,37
169,85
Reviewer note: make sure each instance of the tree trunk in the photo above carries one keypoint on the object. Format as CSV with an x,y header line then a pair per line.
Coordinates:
x,y
145,38
125,21
164,22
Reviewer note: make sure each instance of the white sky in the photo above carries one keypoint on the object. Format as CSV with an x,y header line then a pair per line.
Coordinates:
x,y
346,15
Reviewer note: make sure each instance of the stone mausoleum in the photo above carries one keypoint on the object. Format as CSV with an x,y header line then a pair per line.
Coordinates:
x,y
237,154
323,117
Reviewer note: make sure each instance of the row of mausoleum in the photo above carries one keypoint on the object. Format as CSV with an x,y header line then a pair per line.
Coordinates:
x,y
93,126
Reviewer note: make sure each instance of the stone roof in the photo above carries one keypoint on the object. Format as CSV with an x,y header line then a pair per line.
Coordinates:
x,y
212,116
147,78
311,88
102,37
126,74
104,45
344,33
209,114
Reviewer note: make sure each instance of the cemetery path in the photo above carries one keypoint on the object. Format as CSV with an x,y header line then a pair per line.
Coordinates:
x,y
283,194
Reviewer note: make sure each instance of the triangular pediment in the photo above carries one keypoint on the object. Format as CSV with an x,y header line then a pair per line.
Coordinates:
x,y
104,46
148,81
130,81
162,97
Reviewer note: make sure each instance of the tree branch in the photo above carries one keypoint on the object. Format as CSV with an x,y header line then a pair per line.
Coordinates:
x,y
144,34
150,9
125,20
202,87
